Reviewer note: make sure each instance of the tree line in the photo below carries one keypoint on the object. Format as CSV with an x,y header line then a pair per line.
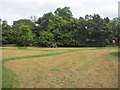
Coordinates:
x,y
61,29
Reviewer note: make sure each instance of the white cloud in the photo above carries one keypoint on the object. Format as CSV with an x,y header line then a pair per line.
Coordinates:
x,y
105,11
17,9
110,11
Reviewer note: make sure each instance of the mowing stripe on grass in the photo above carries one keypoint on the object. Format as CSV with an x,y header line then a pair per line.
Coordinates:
x,y
10,79
24,57
43,55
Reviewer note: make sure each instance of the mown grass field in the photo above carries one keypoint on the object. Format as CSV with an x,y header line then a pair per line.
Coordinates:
x,y
60,67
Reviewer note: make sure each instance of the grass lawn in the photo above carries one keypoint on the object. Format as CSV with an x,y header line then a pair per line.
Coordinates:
x,y
117,54
60,67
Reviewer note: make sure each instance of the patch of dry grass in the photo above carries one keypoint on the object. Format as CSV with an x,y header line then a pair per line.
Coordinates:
x,y
59,48
81,69
8,53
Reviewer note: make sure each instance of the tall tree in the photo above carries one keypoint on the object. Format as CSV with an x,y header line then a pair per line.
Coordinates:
x,y
61,29
27,22
100,30
65,13
115,29
25,36
8,34
45,39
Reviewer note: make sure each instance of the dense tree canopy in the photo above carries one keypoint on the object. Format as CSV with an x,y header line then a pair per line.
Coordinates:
x,y
8,33
25,36
62,29
20,22
65,13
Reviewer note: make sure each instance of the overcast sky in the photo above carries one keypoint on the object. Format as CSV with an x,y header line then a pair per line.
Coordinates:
x,y
12,10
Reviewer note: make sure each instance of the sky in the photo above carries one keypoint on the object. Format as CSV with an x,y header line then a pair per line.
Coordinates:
x,y
12,10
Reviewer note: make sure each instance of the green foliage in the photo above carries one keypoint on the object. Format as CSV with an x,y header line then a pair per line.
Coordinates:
x,y
8,34
25,36
115,29
46,39
61,29
65,13
17,24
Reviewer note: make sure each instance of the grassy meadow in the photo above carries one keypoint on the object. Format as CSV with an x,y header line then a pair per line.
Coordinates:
x,y
34,67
